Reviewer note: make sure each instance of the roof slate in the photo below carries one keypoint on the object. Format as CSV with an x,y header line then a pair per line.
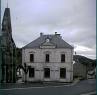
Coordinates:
x,y
56,40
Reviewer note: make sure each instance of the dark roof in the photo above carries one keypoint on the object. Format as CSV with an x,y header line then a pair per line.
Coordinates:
x,y
54,39
7,19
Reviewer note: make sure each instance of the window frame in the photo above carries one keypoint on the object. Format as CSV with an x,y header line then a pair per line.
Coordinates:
x,y
31,59
63,58
47,58
31,75
62,74
46,74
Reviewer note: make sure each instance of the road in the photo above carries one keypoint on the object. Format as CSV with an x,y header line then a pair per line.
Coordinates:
x,y
84,86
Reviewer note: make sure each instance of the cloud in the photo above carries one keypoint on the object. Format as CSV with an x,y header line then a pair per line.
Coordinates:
x,y
89,52
75,20
82,48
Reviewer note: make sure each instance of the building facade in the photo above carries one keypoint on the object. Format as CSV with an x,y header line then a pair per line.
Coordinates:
x,y
79,70
8,50
48,58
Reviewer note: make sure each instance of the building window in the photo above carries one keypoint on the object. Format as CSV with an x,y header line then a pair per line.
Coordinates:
x,y
62,57
47,72
62,72
47,58
31,57
31,72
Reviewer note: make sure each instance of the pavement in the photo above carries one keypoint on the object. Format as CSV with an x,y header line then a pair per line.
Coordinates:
x,y
36,84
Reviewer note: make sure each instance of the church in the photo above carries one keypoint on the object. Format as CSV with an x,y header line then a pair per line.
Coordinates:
x,y
48,59
7,50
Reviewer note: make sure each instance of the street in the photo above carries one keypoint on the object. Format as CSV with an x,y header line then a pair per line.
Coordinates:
x,y
84,86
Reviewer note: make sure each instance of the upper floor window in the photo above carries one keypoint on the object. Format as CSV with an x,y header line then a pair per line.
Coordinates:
x,y
47,58
62,57
31,57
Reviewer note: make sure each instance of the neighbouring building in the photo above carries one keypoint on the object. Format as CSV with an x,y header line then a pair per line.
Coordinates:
x,y
79,70
8,50
48,58
83,67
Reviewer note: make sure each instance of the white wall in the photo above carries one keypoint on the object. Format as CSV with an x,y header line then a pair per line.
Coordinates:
x,y
54,64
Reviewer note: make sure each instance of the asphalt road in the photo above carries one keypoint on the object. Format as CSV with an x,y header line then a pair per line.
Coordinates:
x,y
77,89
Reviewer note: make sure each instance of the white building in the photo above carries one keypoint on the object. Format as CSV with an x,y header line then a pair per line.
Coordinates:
x,y
48,58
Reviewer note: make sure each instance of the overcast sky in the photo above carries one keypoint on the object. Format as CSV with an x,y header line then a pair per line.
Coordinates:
x,y
75,20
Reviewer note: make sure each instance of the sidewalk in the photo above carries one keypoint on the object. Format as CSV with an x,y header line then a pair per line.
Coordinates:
x,y
35,84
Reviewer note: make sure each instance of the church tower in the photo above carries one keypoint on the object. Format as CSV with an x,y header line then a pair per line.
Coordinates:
x,y
8,49
6,24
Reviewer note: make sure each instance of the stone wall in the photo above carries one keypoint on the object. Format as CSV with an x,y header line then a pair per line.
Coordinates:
x,y
54,64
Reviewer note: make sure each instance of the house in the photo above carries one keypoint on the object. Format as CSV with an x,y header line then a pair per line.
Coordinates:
x,y
8,50
83,67
48,58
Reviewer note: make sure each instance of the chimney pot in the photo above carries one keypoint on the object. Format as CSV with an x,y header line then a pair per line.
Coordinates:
x,y
55,33
41,34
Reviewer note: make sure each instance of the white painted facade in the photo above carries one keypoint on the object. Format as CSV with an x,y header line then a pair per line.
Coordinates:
x,y
54,63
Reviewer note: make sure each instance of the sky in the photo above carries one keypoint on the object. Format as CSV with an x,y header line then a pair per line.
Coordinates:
x,y
75,20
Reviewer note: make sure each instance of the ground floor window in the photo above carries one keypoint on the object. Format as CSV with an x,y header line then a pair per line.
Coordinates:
x,y
62,72
31,72
47,72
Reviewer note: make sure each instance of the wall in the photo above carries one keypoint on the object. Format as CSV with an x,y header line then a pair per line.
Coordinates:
x,y
54,64
79,70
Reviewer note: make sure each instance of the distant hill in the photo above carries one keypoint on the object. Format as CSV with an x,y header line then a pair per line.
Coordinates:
x,y
84,60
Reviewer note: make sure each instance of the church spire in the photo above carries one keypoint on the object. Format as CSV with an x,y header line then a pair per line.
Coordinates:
x,y
7,3
6,23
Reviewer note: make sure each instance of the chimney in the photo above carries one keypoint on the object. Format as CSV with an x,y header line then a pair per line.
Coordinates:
x,y
58,35
55,33
41,34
